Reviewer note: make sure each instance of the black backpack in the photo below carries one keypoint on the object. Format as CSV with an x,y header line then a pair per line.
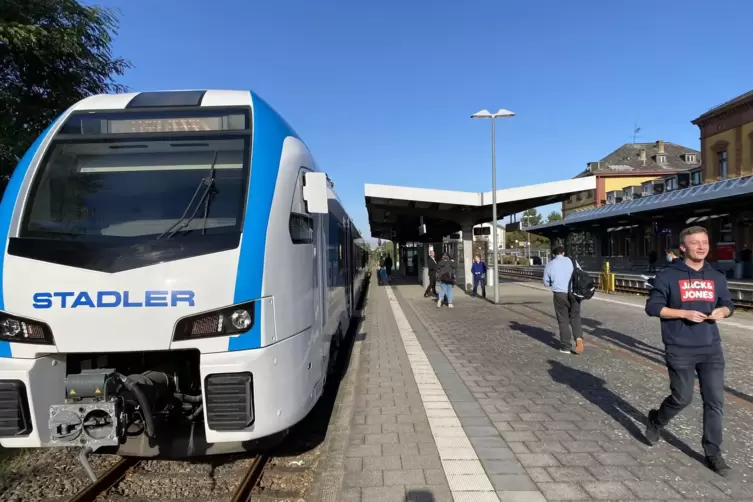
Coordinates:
x,y
582,285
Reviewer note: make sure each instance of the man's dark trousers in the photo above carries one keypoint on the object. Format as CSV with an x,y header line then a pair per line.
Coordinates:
x,y
682,367
432,287
568,316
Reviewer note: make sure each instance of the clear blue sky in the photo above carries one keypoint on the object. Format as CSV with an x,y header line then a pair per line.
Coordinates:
x,y
382,91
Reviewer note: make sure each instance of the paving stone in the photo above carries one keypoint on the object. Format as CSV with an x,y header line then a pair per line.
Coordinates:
x,y
350,495
381,463
521,496
421,462
388,438
512,482
518,447
383,494
697,489
606,473
563,491
607,490
576,459
354,464
546,447
519,436
487,442
614,458
582,446
404,477
656,490
502,467
537,460
372,450
363,479
539,474
569,474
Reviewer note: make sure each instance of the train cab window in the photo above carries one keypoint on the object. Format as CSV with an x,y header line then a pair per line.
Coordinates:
x,y
301,224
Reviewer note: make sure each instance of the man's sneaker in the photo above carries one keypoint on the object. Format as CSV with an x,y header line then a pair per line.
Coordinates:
x,y
579,346
450,305
718,465
565,349
653,431
439,303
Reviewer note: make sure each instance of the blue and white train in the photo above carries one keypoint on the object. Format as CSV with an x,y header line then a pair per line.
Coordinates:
x,y
176,276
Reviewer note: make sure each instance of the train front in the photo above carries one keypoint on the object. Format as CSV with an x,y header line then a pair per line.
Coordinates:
x,y
132,281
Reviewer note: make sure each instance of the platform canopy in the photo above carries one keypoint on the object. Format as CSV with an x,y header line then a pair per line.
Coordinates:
x,y
689,204
395,212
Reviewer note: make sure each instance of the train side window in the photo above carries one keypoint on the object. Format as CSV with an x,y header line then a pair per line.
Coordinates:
x,y
301,225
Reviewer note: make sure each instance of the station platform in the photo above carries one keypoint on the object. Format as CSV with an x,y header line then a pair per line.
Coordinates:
x,y
476,403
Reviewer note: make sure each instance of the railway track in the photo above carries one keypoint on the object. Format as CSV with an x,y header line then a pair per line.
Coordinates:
x,y
110,479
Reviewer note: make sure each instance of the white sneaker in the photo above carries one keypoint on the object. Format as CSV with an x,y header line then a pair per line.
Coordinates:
x,y
439,303
451,306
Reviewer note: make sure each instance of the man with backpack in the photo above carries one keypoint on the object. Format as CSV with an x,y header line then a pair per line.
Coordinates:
x,y
570,286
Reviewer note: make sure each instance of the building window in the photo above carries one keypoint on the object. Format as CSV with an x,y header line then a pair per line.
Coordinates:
x,y
671,183
722,159
661,159
695,178
690,158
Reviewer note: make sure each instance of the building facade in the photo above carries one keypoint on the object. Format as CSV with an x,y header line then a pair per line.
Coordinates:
x,y
621,175
727,139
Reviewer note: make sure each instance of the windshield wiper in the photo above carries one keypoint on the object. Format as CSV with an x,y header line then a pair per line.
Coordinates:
x,y
207,182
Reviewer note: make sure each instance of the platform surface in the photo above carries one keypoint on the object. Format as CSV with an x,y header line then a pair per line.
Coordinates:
x,y
475,403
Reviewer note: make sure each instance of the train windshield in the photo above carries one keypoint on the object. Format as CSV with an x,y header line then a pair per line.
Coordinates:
x,y
139,180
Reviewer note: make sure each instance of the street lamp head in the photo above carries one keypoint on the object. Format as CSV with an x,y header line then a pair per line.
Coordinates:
x,y
503,113
483,114
486,114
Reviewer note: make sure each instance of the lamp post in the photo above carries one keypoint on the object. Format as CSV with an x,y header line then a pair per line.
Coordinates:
x,y
485,114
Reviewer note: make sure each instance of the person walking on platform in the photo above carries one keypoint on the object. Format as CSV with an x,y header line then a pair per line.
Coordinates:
x,y
673,255
446,276
558,276
478,269
388,265
690,297
432,266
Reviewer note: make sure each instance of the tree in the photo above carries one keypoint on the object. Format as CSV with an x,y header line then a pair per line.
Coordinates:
x,y
531,218
553,216
52,54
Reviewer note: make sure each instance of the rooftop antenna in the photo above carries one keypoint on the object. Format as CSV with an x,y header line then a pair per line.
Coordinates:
x,y
636,130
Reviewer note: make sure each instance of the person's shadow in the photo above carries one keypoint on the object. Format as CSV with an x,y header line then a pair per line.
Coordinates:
x,y
542,335
595,391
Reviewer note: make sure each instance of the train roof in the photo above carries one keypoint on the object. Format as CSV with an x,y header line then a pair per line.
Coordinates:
x,y
151,99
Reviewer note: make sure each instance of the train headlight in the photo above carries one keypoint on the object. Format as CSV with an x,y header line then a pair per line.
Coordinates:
x,y
241,319
21,330
232,320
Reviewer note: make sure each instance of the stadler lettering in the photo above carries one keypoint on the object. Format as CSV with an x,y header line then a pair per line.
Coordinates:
x,y
111,299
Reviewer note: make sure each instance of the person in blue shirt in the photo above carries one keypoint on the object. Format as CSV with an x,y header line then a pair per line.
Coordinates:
x,y
478,269
557,275
690,297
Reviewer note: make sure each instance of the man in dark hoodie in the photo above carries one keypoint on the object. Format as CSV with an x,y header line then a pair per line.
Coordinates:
x,y
689,296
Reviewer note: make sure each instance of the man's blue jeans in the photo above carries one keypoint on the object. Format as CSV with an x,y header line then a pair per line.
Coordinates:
x,y
479,280
445,289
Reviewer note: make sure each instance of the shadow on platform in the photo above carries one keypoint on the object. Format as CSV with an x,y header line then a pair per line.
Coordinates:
x,y
594,389
419,496
621,340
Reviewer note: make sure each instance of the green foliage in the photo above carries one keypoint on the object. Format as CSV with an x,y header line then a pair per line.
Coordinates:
x,y
553,216
52,54
531,218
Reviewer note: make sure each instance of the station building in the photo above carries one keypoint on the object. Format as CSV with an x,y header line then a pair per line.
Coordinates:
x,y
629,223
